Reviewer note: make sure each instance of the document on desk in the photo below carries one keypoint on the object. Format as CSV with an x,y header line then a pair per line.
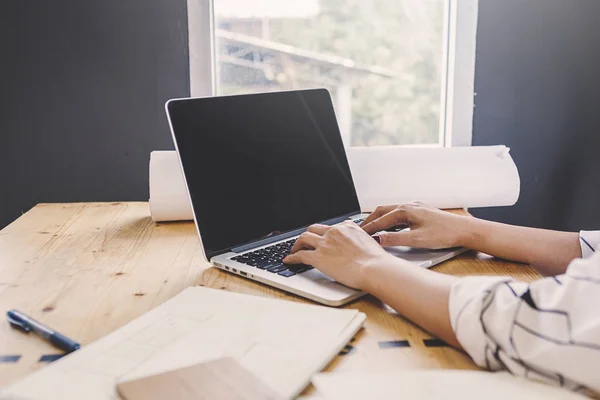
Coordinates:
x,y
434,384
282,343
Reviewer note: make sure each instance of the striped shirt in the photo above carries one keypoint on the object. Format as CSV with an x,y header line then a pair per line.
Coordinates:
x,y
547,330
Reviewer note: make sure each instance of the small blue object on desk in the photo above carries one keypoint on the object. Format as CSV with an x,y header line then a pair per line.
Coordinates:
x,y
349,349
9,358
22,322
48,358
393,344
434,343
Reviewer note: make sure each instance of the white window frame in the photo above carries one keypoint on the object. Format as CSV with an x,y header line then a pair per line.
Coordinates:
x,y
458,84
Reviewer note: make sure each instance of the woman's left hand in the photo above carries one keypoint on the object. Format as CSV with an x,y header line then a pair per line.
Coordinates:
x,y
344,252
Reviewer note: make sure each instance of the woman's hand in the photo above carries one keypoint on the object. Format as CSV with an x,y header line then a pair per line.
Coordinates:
x,y
429,227
349,255
344,252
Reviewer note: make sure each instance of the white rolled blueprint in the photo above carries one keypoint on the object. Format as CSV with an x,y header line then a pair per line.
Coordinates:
x,y
459,177
169,199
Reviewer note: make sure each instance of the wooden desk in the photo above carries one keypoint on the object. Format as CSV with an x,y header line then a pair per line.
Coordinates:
x,y
86,269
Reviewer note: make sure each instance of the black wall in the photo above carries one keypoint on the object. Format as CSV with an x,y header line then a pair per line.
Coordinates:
x,y
538,91
82,87
82,91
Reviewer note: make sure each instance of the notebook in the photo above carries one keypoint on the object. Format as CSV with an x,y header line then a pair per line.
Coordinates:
x,y
434,384
282,343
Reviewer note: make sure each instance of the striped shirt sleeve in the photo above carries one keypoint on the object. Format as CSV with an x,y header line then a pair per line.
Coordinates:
x,y
547,330
590,242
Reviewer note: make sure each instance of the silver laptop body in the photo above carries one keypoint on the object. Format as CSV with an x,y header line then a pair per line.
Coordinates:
x,y
261,168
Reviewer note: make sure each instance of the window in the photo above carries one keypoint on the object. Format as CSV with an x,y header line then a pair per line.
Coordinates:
x,y
400,71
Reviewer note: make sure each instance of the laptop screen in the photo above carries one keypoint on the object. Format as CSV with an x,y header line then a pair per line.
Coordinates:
x,y
260,165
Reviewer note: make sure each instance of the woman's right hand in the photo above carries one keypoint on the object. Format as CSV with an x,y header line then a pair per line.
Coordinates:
x,y
430,227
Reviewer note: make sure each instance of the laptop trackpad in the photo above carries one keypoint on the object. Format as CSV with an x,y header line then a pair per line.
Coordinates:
x,y
418,256
325,285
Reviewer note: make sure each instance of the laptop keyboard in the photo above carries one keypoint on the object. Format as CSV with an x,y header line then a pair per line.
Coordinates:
x,y
271,259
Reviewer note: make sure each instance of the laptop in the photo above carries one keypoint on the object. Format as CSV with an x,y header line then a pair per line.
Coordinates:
x,y
261,168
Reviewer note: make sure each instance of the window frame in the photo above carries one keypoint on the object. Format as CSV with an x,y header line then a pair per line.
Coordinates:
x,y
458,83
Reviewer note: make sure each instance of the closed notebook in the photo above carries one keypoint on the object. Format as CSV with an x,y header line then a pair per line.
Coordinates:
x,y
281,342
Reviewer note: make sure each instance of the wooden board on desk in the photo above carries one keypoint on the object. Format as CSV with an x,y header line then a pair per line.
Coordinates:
x,y
87,269
223,379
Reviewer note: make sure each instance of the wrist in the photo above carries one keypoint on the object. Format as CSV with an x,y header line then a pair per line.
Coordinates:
x,y
471,232
372,272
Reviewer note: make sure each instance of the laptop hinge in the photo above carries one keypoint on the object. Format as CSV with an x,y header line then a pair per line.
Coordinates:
x,y
283,236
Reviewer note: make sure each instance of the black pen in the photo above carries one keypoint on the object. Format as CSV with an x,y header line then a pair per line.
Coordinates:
x,y
22,322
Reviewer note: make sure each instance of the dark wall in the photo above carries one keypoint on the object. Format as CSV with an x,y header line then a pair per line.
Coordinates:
x,y
82,87
538,91
82,91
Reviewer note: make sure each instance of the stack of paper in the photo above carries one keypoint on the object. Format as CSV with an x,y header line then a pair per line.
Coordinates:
x,y
434,385
280,342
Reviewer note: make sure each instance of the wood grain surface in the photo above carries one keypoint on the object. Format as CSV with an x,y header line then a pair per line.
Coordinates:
x,y
86,269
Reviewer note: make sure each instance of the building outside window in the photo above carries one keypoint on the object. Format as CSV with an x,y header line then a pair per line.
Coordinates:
x,y
396,69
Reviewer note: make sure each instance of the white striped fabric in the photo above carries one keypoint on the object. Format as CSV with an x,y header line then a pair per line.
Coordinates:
x,y
548,330
590,242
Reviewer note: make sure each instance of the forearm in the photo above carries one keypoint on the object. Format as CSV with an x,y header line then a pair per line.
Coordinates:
x,y
418,294
550,252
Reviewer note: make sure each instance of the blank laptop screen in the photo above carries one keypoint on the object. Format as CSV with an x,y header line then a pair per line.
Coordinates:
x,y
259,165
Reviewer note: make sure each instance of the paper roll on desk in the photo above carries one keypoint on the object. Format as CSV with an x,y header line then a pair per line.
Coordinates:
x,y
456,177
169,199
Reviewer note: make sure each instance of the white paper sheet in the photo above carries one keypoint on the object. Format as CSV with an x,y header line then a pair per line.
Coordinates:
x,y
282,343
434,385
442,177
